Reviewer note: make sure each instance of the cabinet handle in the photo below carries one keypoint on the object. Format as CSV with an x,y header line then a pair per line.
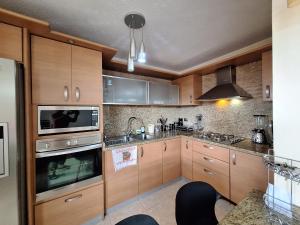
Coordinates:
x,y
77,93
73,198
207,159
191,99
268,91
234,159
208,172
187,144
142,152
165,146
209,147
66,93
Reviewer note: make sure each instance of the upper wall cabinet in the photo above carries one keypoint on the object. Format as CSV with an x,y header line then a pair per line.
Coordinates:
x,y
118,90
63,74
10,42
163,94
121,90
267,74
190,89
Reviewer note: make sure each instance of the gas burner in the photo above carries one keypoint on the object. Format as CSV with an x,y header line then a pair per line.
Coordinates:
x,y
219,138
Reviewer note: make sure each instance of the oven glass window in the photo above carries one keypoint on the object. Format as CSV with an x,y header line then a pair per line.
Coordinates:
x,y
58,171
56,119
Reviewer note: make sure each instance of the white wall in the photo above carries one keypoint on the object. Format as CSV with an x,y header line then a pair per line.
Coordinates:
x,y
286,81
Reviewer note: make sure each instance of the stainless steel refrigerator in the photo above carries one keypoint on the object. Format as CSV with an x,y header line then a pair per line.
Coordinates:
x,y
12,144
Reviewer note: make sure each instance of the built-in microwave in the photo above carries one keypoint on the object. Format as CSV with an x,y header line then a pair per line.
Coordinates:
x,y
64,165
64,119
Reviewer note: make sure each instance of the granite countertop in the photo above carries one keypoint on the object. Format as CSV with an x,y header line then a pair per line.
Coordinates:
x,y
252,211
243,146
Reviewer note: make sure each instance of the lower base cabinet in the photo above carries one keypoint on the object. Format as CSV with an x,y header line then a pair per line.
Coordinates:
x,y
74,209
119,185
171,160
187,158
150,166
247,172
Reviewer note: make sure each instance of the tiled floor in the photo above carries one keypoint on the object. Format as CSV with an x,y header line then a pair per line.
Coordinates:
x,y
160,204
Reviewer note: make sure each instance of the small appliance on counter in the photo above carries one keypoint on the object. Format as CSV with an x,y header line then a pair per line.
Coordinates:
x,y
259,133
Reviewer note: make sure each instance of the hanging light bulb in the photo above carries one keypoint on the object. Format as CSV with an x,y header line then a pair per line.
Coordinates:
x,y
142,53
130,64
132,45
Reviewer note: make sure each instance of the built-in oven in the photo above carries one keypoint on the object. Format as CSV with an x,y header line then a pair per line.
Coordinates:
x,y
63,165
64,119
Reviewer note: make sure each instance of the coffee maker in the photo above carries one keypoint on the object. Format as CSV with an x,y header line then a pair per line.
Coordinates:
x,y
259,133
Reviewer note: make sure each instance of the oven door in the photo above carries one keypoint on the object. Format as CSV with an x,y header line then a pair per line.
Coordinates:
x,y
63,119
62,171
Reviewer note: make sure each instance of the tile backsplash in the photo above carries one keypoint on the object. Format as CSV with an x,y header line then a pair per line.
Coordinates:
x,y
232,117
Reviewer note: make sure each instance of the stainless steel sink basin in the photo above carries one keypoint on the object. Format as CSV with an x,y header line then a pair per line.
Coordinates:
x,y
119,140
143,137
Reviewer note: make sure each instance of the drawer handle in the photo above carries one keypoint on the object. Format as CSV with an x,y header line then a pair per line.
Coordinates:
x,y
165,146
73,198
142,152
208,172
187,144
207,159
209,147
234,159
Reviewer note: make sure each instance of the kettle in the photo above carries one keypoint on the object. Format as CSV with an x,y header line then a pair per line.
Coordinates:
x,y
259,136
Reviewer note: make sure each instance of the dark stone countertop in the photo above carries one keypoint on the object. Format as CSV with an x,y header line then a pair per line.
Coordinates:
x,y
244,146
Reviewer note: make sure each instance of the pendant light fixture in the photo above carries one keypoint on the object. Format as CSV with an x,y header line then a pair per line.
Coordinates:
x,y
135,21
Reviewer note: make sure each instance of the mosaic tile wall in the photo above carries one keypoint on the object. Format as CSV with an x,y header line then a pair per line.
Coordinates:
x,y
232,117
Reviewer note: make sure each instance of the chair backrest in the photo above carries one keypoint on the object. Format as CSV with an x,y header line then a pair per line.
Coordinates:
x,y
195,204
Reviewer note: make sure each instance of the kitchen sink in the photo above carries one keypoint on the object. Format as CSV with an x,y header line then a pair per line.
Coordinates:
x,y
119,140
143,137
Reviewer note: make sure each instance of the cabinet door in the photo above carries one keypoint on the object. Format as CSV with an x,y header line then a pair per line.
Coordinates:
x,y
163,94
247,172
150,166
124,91
73,209
121,185
187,158
267,87
86,76
51,71
11,42
171,159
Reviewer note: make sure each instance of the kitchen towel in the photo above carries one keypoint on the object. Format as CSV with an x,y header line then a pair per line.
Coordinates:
x,y
124,157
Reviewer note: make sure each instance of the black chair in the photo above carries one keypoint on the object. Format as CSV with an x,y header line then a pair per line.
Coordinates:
x,y
195,204
140,219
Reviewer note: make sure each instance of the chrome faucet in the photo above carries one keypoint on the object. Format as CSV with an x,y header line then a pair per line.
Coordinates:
x,y
129,125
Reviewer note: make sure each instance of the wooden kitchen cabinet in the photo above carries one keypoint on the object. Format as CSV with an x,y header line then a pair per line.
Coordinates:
x,y
187,158
190,88
267,74
63,74
171,160
11,42
73,209
120,185
150,166
86,76
247,172
211,150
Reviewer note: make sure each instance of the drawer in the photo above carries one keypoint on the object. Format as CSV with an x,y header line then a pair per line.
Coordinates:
x,y
219,181
73,209
211,163
211,150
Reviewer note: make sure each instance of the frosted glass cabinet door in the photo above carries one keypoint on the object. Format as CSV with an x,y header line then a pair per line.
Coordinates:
x,y
124,91
163,94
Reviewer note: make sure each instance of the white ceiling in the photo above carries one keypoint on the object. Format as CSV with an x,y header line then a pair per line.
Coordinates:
x,y
179,34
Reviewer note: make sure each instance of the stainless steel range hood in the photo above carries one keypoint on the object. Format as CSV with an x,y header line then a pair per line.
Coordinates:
x,y
226,86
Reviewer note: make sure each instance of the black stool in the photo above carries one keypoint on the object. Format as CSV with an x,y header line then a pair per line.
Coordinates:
x,y
140,219
195,204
